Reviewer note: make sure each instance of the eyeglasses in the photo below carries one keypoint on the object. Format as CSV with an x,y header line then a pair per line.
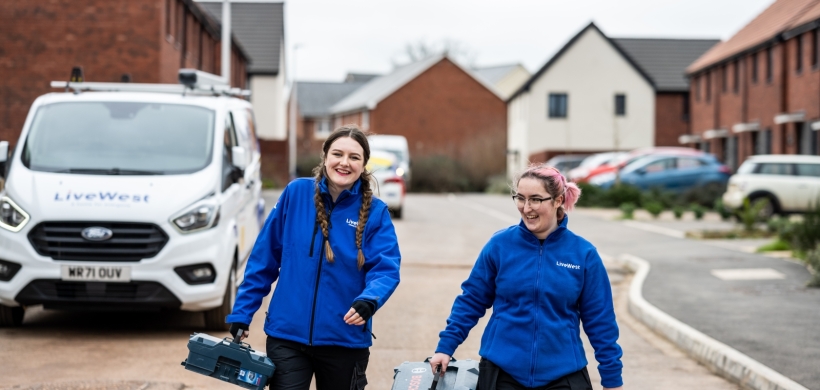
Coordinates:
x,y
535,203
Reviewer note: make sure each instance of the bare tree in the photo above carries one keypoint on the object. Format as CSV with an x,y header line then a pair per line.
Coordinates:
x,y
423,49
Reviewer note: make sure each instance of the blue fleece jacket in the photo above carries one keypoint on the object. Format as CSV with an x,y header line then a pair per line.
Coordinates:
x,y
539,294
312,295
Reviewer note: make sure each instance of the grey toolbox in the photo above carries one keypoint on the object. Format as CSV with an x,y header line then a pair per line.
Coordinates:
x,y
232,362
460,375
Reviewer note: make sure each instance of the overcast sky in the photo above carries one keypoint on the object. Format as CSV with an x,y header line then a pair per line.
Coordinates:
x,y
370,36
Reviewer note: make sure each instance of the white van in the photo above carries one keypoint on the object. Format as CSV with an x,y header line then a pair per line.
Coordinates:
x,y
397,145
129,196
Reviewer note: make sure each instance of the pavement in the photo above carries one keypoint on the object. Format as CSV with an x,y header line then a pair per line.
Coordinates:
x,y
754,304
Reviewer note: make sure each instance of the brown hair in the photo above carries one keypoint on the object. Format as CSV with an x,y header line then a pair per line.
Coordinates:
x,y
320,173
556,185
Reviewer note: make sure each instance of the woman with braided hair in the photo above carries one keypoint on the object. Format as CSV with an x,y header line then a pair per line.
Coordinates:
x,y
331,247
542,281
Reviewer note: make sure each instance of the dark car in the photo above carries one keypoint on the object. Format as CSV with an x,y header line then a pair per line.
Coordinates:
x,y
566,162
673,173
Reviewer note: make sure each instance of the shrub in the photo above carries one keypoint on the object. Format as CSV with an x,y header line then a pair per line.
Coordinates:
x,y
590,195
698,210
706,196
750,213
498,184
657,195
725,212
654,208
806,234
440,174
305,165
678,211
627,210
620,194
813,260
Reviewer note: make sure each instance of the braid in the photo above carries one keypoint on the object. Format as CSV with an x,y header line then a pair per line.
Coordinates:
x,y
364,212
321,214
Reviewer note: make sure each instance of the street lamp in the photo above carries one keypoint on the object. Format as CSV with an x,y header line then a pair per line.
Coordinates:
x,y
293,111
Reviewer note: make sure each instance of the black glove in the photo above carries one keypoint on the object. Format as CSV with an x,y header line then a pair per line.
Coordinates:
x,y
365,309
236,327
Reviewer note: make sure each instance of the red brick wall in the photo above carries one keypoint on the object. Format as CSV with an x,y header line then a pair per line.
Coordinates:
x,y
274,161
702,102
804,87
446,112
670,119
730,101
43,39
764,96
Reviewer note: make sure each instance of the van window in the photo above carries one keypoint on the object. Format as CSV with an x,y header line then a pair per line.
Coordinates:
x,y
125,138
808,170
775,169
229,141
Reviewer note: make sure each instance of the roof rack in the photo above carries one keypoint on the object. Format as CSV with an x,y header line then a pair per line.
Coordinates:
x,y
192,81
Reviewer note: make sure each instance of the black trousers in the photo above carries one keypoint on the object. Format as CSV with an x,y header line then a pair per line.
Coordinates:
x,y
491,377
336,368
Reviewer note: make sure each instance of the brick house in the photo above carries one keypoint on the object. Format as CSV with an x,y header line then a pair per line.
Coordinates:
x,y
259,26
314,120
146,41
759,91
442,109
599,94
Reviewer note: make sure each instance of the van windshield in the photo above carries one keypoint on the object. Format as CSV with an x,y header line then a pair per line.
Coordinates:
x,y
120,138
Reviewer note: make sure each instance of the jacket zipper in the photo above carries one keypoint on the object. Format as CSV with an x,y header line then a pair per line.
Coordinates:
x,y
313,239
535,332
318,276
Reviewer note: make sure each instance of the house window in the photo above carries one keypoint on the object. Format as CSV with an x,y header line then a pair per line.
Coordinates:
x,y
815,58
620,105
754,67
322,128
798,54
365,120
736,77
724,72
769,65
685,109
708,78
557,105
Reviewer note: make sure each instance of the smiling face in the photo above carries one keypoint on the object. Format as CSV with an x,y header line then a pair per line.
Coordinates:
x,y
344,163
543,220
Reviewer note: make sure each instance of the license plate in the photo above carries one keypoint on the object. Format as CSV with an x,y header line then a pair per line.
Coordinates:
x,y
96,273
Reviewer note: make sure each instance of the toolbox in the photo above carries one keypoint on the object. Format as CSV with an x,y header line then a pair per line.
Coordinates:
x,y
460,375
230,361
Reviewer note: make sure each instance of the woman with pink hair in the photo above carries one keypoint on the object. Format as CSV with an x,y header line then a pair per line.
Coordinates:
x,y
542,281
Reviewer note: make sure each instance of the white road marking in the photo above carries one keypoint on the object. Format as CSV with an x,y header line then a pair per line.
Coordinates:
x,y
655,229
747,274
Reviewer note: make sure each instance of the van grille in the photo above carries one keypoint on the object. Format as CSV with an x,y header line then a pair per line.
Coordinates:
x,y
130,241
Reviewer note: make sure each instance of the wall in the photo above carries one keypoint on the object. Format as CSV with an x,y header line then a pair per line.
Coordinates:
x,y
510,83
671,120
591,72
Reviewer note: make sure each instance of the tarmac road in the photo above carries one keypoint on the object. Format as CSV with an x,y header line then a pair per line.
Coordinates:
x,y
440,237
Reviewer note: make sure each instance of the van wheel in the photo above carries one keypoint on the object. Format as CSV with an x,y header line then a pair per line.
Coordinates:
x,y
215,318
397,213
11,316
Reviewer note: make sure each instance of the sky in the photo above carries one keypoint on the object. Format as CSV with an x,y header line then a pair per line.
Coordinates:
x,y
335,37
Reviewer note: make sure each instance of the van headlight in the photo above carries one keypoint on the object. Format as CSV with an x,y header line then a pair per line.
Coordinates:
x,y
199,217
12,217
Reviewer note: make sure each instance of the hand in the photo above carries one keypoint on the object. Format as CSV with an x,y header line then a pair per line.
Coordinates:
x,y
236,327
439,360
359,313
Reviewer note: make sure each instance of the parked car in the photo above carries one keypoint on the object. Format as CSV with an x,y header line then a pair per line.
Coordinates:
x,y
390,186
789,183
397,145
624,160
594,161
130,196
673,173
566,162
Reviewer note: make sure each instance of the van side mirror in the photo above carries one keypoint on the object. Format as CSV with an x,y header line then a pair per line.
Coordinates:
x,y
4,156
240,157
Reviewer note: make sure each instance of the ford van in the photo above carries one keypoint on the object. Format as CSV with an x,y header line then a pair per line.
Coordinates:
x,y
129,197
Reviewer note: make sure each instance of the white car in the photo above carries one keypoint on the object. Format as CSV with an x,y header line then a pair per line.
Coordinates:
x,y
390,186
790,183
123,199
397,145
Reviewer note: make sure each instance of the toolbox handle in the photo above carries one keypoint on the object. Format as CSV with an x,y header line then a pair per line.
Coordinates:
x,y
436,377
238,337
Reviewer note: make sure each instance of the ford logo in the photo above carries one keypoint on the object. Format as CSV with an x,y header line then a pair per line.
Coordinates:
x,y
96,233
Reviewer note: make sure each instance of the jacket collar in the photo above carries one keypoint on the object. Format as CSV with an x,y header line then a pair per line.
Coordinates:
x,y
352,193
555,234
